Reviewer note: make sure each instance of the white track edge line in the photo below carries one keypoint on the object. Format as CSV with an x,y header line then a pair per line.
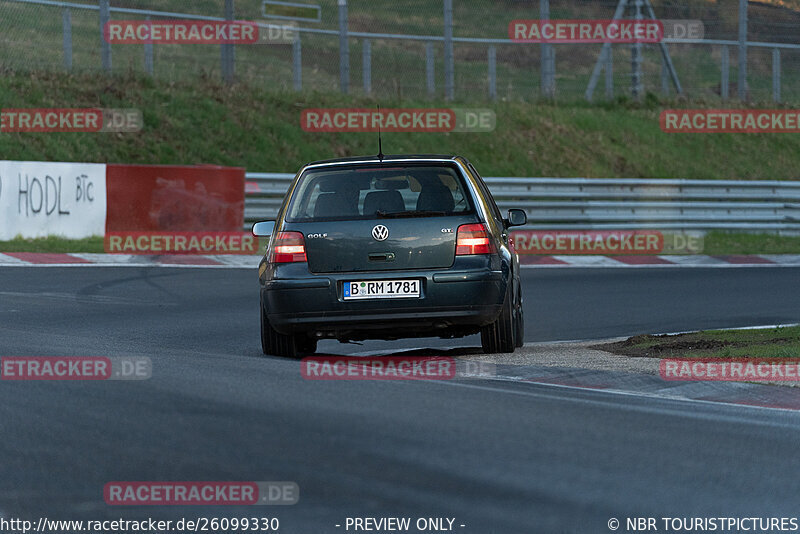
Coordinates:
x,y
612,392
254,267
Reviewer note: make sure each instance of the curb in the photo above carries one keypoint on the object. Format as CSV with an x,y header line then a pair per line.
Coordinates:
x,y
233,261
577,366
39,259
790,260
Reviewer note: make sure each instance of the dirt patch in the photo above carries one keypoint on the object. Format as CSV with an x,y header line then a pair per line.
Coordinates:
x,y
650,346
640,346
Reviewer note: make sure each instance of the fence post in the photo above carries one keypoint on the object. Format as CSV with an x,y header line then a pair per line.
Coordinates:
x,y
297,62
227,50
636,60
609,68
148,55
605,50
366,68
742,88
725,82
449,75
105,46
344,49
492,73
776,75
548,56
430,69
66,23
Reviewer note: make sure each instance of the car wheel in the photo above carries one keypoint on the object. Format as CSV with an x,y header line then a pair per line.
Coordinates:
x,y
276,344
519,334
500,335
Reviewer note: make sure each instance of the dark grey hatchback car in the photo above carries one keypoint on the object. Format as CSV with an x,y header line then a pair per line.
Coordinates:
x,y
389,248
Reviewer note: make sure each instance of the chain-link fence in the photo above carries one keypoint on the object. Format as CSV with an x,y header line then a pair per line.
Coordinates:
x,y
397,49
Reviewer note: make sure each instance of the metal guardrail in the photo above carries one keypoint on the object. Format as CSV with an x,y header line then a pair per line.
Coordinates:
x,y
609,203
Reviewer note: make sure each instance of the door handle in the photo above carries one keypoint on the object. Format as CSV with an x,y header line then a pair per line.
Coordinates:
x,y
382,256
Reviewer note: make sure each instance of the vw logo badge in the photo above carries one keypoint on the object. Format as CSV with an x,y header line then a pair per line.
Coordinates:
x,y
380,233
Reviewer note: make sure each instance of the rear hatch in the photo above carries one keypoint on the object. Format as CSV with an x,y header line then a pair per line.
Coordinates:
x,y
412,243
380,217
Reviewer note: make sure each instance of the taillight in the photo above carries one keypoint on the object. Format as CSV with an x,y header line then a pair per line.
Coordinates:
x,y
473,239
288,247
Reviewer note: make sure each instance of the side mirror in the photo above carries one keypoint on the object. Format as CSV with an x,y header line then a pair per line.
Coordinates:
x,y
263,228
517,217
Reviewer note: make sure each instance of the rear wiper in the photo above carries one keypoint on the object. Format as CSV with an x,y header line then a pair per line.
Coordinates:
x,y
409,213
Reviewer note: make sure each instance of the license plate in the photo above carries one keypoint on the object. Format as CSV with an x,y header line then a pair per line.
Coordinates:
x,y
381,289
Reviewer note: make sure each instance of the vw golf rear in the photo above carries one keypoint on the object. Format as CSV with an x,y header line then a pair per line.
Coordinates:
x,y
389,248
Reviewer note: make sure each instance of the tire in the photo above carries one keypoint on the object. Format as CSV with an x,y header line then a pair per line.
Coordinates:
x,y
286,346
519,335
500,336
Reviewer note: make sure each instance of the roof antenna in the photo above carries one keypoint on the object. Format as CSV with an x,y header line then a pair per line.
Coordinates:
x,y
380,146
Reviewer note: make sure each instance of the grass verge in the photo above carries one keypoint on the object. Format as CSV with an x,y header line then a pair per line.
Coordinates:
x,y
763,343
723,243
53,244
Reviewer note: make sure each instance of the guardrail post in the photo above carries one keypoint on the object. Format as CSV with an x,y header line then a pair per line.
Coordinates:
x,y
449,74
105,46
297,62
344,49
366,69
148,55
742,89
430,69
725,82
66,24
776,75
492,73
609,68
226,50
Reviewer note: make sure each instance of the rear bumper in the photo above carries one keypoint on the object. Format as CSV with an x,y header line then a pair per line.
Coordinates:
x,y
452,302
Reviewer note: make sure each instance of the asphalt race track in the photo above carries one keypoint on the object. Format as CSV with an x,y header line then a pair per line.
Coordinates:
x,y
499,457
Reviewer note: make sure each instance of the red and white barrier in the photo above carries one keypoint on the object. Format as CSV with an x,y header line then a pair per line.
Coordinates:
x,y
167,198
78,200
39,199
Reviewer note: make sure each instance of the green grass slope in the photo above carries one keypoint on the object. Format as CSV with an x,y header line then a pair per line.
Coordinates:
x,y
244,125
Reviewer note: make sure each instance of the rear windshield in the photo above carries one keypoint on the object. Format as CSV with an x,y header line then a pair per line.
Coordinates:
x,y
375,192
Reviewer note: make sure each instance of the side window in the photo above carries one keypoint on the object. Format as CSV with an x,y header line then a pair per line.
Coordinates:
x,y
493,209
310,201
